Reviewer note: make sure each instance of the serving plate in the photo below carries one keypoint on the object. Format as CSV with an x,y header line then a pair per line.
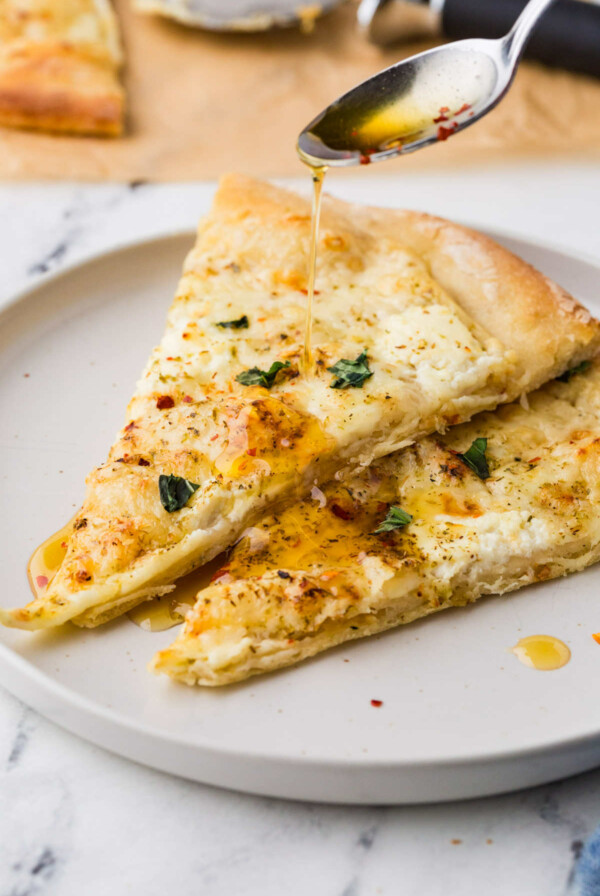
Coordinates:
x,y
461,717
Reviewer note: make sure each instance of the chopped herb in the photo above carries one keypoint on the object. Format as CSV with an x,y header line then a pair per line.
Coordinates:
x,y
241,323
257,377
475,458
350,373
175,492
396,518
579,368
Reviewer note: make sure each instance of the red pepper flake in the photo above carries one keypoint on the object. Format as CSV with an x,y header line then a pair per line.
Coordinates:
x,y
443,133
130,426
305,293
219,574
377,703
341,512
63,544
216,436
41,581
534,460
164,402
365,158
185,335
188,399
170,358
251,452
464,108
142,462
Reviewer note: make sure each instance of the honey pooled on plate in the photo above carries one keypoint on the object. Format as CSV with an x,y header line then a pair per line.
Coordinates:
x,y
168,610
46,560
542,652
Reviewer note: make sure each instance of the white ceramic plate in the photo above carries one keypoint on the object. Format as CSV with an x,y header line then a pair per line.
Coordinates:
x,y
461,717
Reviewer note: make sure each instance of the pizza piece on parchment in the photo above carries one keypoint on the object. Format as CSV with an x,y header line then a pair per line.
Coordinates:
x,y
59,66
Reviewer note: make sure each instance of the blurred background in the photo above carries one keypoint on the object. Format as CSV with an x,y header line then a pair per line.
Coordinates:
x,y
234,90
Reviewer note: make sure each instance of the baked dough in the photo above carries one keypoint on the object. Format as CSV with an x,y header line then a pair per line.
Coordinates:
x,y
451,324
59,63
315,575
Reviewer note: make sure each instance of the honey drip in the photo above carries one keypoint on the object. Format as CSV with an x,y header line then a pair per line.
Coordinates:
x,y
318,175
542,652
161,613
46,560
152,615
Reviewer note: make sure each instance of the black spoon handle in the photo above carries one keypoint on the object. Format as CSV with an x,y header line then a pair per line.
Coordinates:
x,y
567,35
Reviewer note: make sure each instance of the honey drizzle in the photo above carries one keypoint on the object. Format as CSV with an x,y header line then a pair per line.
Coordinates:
x,y
153,615
542,652
318,175
45,561
161,613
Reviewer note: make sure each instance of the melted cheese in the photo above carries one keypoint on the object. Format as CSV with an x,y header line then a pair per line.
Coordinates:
x,y
316,574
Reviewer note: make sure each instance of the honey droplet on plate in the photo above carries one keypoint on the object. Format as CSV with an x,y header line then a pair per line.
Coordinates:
x,y
542,652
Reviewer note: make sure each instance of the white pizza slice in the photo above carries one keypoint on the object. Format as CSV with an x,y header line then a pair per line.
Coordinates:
x,y
511,498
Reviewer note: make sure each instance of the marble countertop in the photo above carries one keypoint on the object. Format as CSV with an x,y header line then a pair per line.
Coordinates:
x,y
77,820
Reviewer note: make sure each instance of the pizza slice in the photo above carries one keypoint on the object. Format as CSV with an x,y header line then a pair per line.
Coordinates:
x,y
512,497
59,64
419,323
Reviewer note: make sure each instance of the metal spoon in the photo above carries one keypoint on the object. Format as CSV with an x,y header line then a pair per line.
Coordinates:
x,y
418,101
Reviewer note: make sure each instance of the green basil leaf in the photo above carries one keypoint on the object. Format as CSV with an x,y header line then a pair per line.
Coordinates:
x,y
242,323
350,373
579,368
175,492
475,458
257,377
396,518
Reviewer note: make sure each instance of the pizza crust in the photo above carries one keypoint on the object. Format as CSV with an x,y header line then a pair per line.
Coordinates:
x,y
59,67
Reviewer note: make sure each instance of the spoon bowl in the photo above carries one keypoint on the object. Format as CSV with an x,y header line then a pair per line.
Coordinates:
x,y
419,101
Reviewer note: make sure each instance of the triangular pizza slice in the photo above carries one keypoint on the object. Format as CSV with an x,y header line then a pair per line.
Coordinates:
x,y
59,65
419,323
512,497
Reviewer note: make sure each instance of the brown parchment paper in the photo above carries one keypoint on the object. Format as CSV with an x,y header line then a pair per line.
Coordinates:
x,y
202,103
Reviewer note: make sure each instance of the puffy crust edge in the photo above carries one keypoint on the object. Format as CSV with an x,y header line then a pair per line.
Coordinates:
x,y
529,313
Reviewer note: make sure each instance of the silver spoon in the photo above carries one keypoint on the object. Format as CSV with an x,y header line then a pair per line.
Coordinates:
x,y
418,101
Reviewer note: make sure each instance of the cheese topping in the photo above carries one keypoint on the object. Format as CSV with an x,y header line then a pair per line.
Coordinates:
x,y
318,575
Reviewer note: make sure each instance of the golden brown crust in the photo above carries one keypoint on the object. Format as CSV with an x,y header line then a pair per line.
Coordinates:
x,y
55,87
484,278
547,328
